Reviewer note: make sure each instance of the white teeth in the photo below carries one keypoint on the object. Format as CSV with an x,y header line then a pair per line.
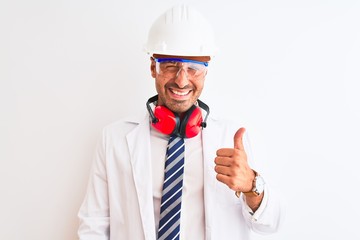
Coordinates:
x,y
180,93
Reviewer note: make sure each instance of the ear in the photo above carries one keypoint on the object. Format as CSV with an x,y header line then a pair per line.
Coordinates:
x,y
153,68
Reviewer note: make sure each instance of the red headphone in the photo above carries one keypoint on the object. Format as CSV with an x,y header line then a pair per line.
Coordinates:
x,y
168,122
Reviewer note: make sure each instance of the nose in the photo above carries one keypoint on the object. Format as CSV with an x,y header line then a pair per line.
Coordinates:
x,y
181,78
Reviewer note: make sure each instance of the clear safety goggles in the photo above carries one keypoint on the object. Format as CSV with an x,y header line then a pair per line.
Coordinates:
x,y
171,67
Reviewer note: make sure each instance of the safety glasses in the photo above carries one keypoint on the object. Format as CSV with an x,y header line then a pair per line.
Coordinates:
x,y
171,67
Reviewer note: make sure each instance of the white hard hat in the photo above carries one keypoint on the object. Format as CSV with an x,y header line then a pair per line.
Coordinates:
x,y
181,31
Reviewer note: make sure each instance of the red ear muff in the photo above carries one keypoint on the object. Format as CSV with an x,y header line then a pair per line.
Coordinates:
x,y
167,121
191,123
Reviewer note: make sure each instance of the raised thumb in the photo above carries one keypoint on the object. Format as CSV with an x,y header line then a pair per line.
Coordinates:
x,y
238,139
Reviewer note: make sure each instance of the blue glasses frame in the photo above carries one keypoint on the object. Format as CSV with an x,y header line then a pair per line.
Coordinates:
x,y
159,60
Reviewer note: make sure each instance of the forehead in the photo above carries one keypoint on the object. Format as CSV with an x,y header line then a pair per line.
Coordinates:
x,y
195,58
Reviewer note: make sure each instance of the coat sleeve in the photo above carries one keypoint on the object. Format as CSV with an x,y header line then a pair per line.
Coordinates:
x,y
268,216
94,211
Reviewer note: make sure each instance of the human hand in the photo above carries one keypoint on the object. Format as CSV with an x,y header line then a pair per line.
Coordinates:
x,y
232,167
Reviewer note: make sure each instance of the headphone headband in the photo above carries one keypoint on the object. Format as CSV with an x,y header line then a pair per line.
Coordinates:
x,y
151,100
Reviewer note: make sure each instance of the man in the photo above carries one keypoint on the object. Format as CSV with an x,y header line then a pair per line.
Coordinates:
x,y
131,195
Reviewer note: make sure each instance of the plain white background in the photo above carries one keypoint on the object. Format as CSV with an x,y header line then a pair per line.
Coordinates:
x,y
288,70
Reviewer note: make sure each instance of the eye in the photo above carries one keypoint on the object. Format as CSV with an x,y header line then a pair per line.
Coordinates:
x,y
192,71
170,66
173,68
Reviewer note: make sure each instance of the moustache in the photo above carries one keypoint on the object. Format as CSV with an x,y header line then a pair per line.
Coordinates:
x,y
174,85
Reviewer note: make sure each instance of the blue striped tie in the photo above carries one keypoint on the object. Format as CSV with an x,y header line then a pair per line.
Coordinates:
x,y
169,225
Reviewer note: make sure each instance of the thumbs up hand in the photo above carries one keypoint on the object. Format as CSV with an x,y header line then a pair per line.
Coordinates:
x,y
232,167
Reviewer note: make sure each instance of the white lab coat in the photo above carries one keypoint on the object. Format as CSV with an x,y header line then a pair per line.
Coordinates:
x,y
119,200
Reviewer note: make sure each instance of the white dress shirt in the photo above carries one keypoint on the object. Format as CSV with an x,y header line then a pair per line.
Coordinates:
x,y
192,221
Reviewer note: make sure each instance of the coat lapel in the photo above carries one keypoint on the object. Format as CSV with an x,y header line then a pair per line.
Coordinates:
x,y
139,146
209,152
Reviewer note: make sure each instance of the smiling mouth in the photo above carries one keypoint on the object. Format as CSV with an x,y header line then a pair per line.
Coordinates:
x,y
180,93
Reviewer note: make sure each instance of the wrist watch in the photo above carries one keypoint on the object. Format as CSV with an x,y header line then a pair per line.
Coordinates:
x,y
258,187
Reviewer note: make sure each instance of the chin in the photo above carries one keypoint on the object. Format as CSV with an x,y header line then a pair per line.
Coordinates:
x,y
179,107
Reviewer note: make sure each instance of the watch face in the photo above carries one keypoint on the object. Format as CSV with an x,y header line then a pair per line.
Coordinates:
x,y
259,184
